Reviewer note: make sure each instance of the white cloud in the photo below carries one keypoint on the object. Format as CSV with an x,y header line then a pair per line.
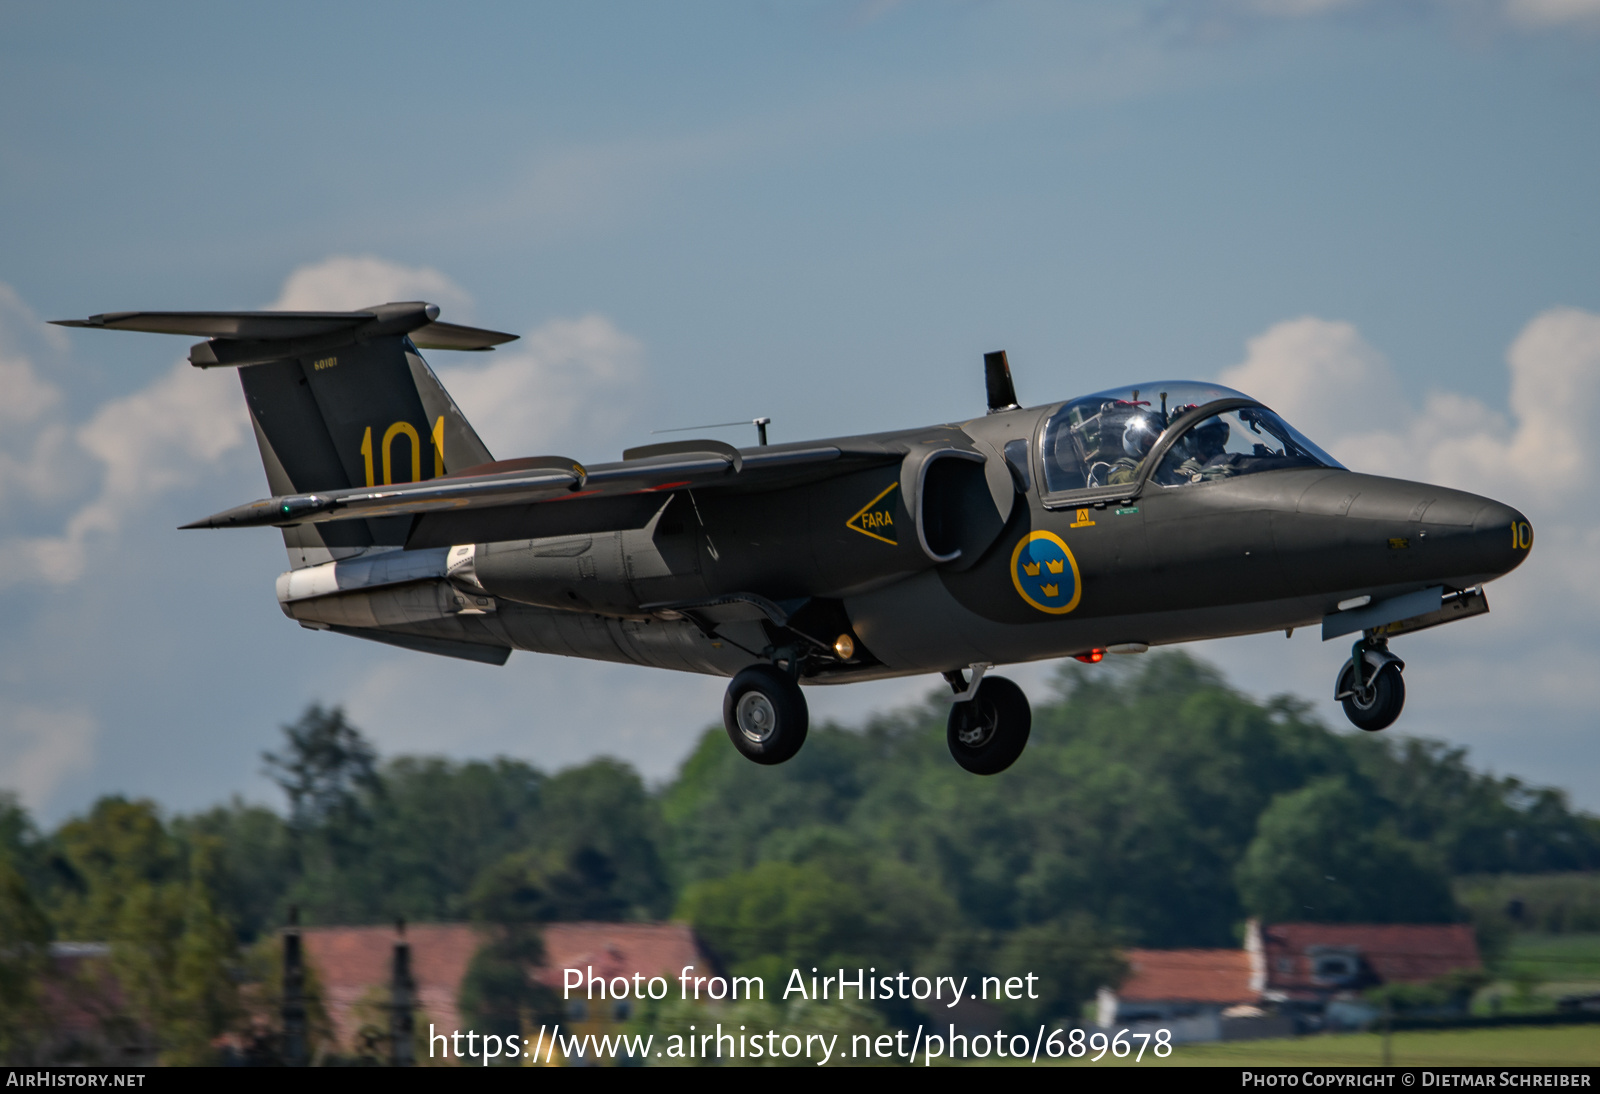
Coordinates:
x,y
1321,376
1516,686
564,385
33,457
568,383
568,386
23,396
40,747
347,282
163,437
1327,381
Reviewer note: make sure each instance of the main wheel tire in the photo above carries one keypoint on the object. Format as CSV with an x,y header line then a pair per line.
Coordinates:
x,y
989,731
1377,705
765,714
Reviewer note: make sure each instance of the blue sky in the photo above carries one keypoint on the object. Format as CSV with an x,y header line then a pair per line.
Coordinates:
x,y
1380,217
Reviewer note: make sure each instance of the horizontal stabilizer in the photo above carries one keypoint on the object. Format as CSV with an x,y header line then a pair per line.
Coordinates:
x,y
254,337
438,335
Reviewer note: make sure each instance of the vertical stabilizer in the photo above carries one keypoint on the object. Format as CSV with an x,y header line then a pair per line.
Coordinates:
x,y
366,414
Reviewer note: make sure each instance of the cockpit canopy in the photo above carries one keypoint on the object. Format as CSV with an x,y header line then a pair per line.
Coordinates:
x,y
1105,439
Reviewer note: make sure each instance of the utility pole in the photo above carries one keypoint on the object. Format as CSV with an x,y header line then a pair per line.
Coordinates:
x,y
402,1000
294,988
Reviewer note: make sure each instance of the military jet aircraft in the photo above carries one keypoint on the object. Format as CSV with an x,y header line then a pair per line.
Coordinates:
x,y
1152,514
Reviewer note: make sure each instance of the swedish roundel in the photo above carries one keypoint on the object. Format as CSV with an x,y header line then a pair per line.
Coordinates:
x,y
1046,574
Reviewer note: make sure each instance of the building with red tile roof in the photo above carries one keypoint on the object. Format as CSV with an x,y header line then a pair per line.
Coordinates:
x,y
610,950
1190,993
1315,972
1193,976
1313,961
353,963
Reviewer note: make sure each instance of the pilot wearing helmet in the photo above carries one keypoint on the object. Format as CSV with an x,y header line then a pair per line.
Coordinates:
x,y
1138,437
1207,448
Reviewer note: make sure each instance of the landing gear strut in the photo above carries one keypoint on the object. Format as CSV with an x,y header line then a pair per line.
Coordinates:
x,y
988,730
765,714
1370,686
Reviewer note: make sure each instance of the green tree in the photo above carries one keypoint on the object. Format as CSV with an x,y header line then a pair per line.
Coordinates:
x,y
251,863
120,852
832,911
202,1000
24,938
328,771
1323,854
325,767
1073,958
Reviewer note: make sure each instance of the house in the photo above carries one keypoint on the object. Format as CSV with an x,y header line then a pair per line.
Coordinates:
x,y
1288,976
608,951
1320,970
85,1016
1196,995
352,964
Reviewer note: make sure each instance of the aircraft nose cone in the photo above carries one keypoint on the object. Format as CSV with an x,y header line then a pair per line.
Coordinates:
x,y
1502,537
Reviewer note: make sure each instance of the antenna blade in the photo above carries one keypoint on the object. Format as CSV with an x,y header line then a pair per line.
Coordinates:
x,y
997,376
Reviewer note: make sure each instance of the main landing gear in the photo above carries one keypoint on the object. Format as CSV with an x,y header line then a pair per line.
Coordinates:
x,y
765,714
1370,686
989,722
766,718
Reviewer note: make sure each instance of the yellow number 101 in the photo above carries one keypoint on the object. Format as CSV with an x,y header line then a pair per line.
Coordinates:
x,y
408,431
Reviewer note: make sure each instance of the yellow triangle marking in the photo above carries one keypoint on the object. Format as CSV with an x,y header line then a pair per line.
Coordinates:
x,y
867,508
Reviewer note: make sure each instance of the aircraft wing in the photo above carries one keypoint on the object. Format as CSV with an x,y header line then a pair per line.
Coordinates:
x,y
550,495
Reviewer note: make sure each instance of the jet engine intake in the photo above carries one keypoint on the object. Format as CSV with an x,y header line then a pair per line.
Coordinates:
x,y
953,508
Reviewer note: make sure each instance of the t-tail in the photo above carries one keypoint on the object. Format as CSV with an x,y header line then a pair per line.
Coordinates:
x,y
337,400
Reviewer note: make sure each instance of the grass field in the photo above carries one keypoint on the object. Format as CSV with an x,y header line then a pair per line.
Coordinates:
x,y
1555,956
1538,970
1546,1046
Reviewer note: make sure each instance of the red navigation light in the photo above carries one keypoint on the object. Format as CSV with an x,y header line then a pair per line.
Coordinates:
x,y
1093,657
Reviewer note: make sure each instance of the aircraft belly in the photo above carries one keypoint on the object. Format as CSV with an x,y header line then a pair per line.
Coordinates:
x,y
676,645
435,609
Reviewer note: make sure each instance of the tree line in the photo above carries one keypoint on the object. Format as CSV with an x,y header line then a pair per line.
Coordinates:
x,y
1155,806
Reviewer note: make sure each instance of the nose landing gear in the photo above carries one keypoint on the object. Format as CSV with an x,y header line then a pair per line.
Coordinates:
x,y
988,729
1370,686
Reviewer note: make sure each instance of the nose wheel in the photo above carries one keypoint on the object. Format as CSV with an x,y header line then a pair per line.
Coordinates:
x,y
765,714
989,731
1370,687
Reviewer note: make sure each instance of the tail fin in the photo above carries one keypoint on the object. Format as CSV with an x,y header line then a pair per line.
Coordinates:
x,y
337,399
362,415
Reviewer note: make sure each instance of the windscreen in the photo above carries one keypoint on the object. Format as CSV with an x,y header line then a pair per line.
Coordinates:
x,y
1104,439
1243,441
